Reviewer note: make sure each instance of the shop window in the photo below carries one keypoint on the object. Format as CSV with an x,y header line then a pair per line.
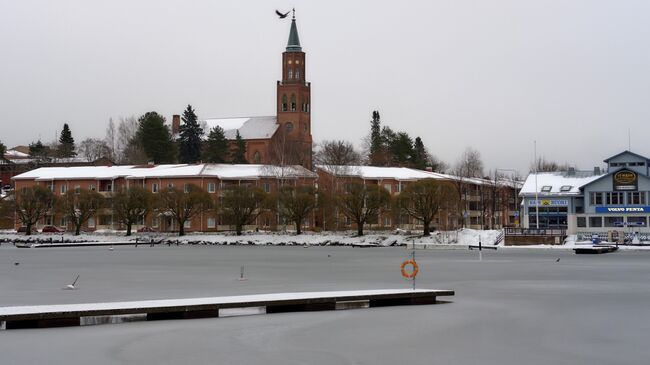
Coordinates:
x,y
615,221
582,222
595,222
637,221
596,198
636,198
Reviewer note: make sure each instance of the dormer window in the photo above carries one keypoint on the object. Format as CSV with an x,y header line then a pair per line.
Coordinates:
x,y
565,188
546,188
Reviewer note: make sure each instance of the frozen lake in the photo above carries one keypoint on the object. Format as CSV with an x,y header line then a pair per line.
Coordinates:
x,y
517,306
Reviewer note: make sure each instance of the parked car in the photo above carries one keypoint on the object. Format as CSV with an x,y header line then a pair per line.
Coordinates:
x,y
51,229
146,229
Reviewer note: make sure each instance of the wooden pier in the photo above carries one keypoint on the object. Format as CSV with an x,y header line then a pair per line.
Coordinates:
x,y
66,315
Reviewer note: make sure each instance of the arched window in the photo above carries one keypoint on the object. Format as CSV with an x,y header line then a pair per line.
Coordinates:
x,y
293,102
298,73
290,74
256,157
284,103
289,127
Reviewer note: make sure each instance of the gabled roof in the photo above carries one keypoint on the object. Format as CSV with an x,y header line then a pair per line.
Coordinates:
x,y
556,180
624,153
248,127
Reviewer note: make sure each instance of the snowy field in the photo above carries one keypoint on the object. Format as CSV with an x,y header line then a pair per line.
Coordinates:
x,y
516,306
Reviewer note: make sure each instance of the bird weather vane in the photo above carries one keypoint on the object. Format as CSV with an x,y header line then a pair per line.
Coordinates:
x,y
284,15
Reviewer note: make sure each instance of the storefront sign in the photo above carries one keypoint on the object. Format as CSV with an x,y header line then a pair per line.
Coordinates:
x,y
644,209
625,180
548,203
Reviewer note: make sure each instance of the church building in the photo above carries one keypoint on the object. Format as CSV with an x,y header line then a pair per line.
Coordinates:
x,y
284,138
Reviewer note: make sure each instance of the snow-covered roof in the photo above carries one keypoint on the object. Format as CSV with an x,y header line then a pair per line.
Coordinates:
x,y
376,172
560,182
248,127
16,154
221,171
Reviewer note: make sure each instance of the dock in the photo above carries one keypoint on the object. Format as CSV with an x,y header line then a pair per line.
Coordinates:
x,y
83,314
595,249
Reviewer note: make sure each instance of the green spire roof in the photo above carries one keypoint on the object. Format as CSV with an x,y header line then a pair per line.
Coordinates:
x,y
294,41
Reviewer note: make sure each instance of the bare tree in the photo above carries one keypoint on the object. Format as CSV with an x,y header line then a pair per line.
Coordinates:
x,y
92,149
131,205
468,166
33,204
544,165
424,198
241,205
111,139
337,153
361,203
184,205
80,205
296,203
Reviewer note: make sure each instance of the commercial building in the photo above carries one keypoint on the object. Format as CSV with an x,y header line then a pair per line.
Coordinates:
x,y
591,202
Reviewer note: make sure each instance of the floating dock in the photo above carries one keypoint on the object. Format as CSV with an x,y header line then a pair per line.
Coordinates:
x,y
595,249
67,315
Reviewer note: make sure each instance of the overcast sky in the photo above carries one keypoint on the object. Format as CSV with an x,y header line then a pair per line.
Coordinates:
x,y
494,75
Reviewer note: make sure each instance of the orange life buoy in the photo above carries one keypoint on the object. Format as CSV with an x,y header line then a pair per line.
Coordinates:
x,y
412,274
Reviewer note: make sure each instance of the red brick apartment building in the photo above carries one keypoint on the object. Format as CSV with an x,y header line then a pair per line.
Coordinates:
x,y
212,178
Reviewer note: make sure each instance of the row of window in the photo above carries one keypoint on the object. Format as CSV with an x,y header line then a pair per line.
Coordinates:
x,y
611,221
563,188
617,198
292,107
623,164
291,74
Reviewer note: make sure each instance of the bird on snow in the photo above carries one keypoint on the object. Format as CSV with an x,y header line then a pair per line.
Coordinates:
x,y
16,263
282,16
72,286
558,260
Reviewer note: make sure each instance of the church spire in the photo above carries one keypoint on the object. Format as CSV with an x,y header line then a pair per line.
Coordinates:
x,y
294,41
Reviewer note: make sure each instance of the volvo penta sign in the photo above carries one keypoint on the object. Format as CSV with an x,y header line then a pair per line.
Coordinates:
x,y
625,180
643,209
548,202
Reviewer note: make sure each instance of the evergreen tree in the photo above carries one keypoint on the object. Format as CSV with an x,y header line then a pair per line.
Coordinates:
x,y
66,143
401,148
38,150
217,146
3,150
155,138
420,154
376,145
239,153
190,137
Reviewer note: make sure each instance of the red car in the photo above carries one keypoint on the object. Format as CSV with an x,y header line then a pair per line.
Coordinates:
x,y
51,229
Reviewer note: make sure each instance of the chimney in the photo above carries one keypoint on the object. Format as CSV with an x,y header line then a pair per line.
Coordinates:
x,y
176,124
596,170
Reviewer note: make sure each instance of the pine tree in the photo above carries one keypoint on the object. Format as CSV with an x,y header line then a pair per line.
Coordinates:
x,y
66,143
239,153
155,138
217,146
376,145
190,137
3,150
402,149
420,154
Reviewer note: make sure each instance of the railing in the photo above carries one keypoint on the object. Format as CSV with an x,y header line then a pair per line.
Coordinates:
x,y
512,231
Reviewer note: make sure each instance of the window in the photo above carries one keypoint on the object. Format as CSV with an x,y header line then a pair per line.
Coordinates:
x,y
298,73
211,187
64,188
186,188
595,222
256,157
105,220
267,187
388,187
615,221
386,221
170,185
155,222
92,187
212,223
290,74
614,198
187,224
63,222
284,103
565,188
582,222
636,198
546,188
77,189
636,221
297,62
91,222
154,188
48,220
51,187
596,198
293,103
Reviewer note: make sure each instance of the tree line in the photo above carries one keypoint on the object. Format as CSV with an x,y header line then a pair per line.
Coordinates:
x,y
238,205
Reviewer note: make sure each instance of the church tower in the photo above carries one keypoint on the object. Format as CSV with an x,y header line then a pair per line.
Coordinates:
x,y
294,101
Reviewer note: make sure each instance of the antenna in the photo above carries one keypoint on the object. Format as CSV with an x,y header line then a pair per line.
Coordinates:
x,y
629,140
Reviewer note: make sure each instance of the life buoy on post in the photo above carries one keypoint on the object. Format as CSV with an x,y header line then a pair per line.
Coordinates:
x,y
411,274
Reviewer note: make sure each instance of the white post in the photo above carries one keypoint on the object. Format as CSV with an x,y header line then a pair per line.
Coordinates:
x,y
536,191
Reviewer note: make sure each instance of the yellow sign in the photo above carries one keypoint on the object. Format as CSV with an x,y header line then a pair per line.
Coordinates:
x,y
625,177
